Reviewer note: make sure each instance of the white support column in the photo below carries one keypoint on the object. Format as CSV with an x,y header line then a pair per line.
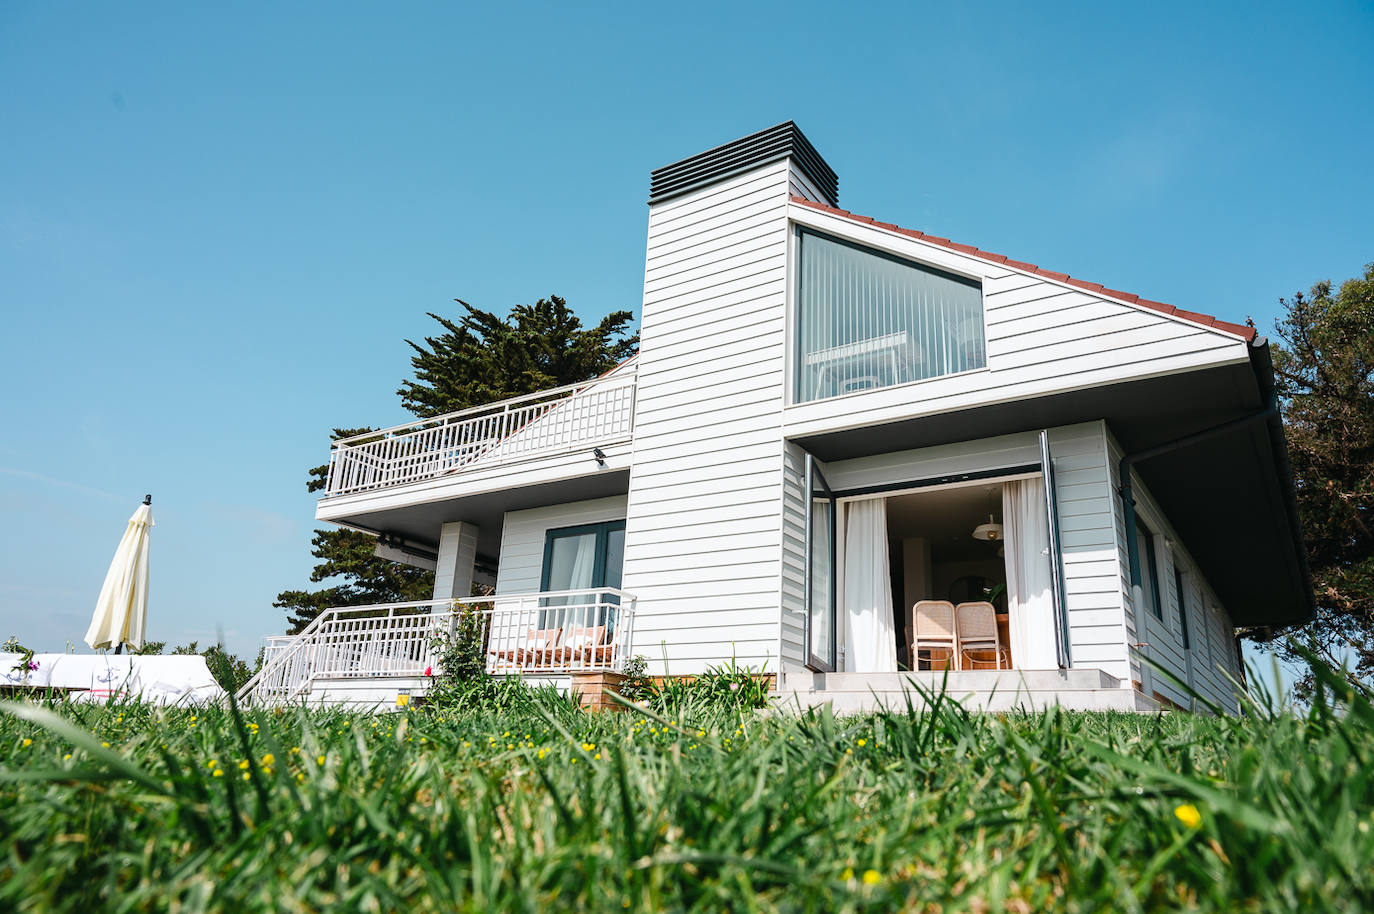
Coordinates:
x,y
457,555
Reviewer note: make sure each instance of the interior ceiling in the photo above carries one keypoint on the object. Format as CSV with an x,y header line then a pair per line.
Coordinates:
x,y
946,518
1226,495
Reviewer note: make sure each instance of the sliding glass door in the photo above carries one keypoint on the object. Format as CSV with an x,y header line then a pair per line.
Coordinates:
x,y
820,570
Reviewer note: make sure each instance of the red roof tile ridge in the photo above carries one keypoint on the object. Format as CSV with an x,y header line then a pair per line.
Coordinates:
x,y
1206,320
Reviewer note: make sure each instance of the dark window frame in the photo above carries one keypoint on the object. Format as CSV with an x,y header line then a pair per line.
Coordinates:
x,y
1149,564
602,530
799,233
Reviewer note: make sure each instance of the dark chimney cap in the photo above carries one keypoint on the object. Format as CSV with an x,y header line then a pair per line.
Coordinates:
x,y
771,145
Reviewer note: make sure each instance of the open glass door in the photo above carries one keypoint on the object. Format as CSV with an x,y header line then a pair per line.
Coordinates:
x,y
1061,616
820,570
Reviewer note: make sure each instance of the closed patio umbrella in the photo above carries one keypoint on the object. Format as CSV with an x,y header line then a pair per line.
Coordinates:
x,y
123,603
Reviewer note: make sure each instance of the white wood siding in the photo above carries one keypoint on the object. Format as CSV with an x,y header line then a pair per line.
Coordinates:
x,y
522,538
704,538
1042,337
1212,657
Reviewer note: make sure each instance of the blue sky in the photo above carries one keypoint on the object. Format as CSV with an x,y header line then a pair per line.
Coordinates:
x,y
218,225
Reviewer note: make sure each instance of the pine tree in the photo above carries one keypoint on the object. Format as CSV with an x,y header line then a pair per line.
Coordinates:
x,y
1325,369
478,359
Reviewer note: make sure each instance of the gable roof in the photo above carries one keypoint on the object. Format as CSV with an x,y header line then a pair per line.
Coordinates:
x,y
1244,332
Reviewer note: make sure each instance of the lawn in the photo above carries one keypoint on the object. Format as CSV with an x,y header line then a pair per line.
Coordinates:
x,y
542,806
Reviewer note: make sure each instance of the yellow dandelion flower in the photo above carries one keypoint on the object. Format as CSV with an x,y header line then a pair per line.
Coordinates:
x,y
862,743
211,764
543,752
246,775
872,877
243,765
268,759
848,873
597,757
1187,814
67,757
27,742
105,744
218,772
319,760
300,777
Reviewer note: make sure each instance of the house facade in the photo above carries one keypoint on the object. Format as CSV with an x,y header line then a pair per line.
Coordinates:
x,y
833,421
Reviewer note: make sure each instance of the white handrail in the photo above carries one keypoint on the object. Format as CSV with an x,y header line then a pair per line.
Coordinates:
x,y
564,419
618,373
549,633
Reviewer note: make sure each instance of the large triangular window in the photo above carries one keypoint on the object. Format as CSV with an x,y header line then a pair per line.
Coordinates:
x,y
866,319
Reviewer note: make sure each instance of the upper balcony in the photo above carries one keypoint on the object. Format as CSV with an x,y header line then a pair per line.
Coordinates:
x,y
547,424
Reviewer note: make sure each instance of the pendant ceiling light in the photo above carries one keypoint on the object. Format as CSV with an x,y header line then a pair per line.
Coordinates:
x,y
989,531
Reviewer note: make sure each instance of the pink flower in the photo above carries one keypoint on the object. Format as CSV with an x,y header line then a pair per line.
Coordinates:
x,y
429,671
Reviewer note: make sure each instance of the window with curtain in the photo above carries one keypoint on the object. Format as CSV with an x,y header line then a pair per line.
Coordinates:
x,y
585,557
867,319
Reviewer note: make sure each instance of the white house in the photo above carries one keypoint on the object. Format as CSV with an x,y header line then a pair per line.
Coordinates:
x,y
823,411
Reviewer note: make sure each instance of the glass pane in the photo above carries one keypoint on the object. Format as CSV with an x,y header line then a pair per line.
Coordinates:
x,y
867,320
1149,573
615,561
615,557
820,571
572,566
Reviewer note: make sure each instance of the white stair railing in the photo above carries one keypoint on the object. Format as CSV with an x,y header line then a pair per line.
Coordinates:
x,y
549,633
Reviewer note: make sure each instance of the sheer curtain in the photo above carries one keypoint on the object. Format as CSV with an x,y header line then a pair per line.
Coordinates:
x,y
1029,602
870,639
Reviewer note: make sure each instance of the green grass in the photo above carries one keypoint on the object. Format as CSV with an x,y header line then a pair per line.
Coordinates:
x,y
549,808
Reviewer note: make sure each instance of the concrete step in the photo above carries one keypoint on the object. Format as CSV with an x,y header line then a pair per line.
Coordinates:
x,y
795,679
860,702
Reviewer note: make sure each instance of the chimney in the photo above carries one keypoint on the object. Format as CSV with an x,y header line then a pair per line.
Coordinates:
x,y
812,177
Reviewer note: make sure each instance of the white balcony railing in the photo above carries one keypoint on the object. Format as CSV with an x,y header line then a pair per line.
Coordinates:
x,y
547,423
552,633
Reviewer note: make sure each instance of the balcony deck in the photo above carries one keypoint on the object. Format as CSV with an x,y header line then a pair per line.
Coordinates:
x,y
561,421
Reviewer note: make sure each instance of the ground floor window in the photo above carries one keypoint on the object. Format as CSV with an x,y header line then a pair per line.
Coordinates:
x,y
585,557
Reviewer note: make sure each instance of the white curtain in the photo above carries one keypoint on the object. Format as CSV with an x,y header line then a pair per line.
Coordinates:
x,y
1029,600
870,645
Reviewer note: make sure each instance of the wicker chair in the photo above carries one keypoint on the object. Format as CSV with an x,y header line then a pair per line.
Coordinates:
x,y
976,624
933,630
